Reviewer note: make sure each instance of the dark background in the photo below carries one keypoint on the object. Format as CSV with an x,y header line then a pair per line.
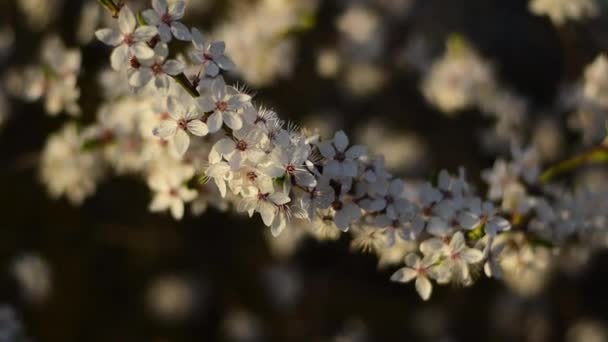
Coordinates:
x,y
104,254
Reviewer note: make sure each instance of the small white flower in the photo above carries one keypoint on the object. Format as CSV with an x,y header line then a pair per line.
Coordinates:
x,y
170,191
224,103
243,146
291,162
268,204
346,212
458,257
178,122
340,158
158,68
478,214
128,41
166,17
211,55
421,269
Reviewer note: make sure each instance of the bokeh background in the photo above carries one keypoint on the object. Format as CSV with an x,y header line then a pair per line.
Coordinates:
x,y
111,271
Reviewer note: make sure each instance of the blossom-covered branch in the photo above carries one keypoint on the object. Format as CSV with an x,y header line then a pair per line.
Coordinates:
x,y
173,120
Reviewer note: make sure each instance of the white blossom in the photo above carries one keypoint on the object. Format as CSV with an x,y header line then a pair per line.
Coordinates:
x,y
165,17
180,121
129,40
210,55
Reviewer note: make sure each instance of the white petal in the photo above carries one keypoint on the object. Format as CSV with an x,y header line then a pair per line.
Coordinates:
x,y
198,40
233,121
198,128
166,129
119,57
342,220
151,17
437,226
126,20
431,246
412,260
177,209
236,160
327,150
212,69
177,9
349,168
468,220
217,48
340,141
160,6
497,224
278,225
164,31
109,36
424,287
145,33
457,242
224,62
142,51
140,77
173,67
218,88
160,202
162,82
182,141
267,211
444,180
180,31
332,169
224,146
214,122
175,108
206,104
305,178
279,198
403,275
471,255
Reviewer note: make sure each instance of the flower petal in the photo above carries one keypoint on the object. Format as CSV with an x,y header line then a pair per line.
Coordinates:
x,y
119,57
126,20
198,128
160,6
180,31
198,40
145,33
471,255
215,121
497,224
224,146
182,141
109,36
142,51
177,9
233,121
151,17
424,287
173,67
340,141
404,275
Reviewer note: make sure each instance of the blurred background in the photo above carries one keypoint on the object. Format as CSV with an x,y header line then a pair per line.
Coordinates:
x,y
109,270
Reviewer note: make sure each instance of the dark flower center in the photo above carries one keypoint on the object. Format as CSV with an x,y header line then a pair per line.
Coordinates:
x,y
166,18
241,145
222,106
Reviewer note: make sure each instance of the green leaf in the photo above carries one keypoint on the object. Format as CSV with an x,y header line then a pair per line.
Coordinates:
x,y
476,233
140,19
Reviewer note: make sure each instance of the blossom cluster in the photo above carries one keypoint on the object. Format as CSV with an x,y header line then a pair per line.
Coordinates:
x,y
197,141
54,79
